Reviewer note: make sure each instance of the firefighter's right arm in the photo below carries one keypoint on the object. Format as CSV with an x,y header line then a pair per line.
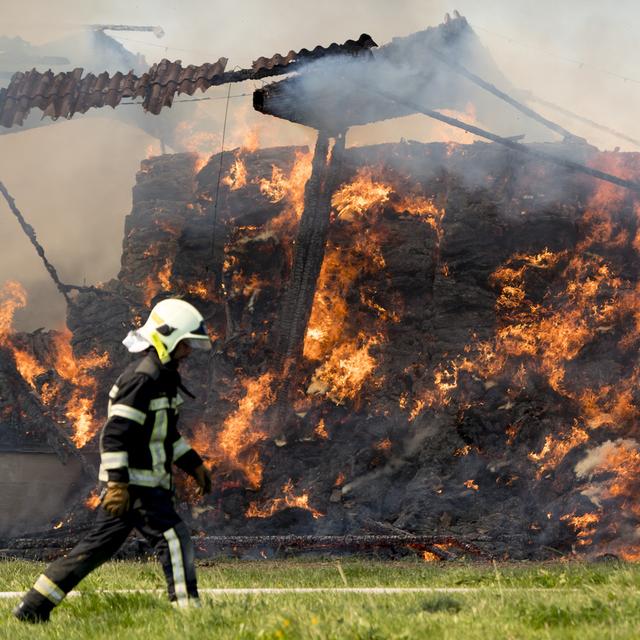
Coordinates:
x,y
128,406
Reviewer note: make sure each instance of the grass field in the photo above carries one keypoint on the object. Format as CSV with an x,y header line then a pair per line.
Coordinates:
x,y
564,600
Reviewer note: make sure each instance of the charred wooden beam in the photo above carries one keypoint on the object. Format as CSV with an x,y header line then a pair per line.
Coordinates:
x,y
311,218
443,547
487,86
332,542
325,97
307,262
310,245
63,288
31,234
315,106
579,118
507,142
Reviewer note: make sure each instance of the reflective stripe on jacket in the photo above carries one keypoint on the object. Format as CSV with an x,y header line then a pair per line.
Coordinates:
x,y
140,440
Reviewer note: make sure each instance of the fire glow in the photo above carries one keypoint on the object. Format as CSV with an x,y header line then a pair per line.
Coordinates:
x,y
76,373
550,307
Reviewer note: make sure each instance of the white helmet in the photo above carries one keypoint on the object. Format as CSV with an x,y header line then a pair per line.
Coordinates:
x,y
170,321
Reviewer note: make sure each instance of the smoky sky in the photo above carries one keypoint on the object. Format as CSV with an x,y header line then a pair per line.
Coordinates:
x,y
73,179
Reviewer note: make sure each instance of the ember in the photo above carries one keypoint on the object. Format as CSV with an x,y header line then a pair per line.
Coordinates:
x,y
92,501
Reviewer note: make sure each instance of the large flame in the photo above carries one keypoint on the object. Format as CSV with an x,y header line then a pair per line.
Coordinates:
x,y
74,384
335,334
342,375
28,366
79,408
14,297
236,445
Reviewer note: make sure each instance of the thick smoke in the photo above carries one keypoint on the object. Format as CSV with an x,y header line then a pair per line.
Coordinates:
x,y
73,179
365,90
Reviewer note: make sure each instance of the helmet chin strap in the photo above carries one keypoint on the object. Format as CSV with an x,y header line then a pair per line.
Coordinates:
x,y
159,346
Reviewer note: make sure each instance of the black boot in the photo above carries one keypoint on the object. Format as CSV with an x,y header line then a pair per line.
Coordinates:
x,y
34,608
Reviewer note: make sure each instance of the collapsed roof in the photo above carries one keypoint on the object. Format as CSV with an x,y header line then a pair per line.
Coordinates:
x,y
331,88
64,94
338,93
338,86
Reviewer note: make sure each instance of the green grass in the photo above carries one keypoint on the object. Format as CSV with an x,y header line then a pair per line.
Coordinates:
x,y
512,601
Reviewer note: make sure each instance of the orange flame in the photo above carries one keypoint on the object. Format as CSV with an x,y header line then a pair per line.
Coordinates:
x,y
384,445
289,190
202,290
93,501
445,381
12,298
321,430
27,365
237,176
200,161
274,189
584,526
341,377
155,283
251,139
76,371
613,468
79,407
471,484
556,448
334,336
288,500
235,446
360,196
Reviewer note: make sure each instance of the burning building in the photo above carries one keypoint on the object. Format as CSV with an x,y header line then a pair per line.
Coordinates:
x,y
435,338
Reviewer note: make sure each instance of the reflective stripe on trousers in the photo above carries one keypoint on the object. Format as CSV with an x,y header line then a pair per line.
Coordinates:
x,y
49,589
182,563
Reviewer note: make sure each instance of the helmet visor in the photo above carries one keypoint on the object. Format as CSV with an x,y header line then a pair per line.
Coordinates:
x,y
203,344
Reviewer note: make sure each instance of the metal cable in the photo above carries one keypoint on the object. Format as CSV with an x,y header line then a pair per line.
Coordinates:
x,y
215,203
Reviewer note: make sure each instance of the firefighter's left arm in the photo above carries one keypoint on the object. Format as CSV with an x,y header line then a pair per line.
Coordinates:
x,y
184,457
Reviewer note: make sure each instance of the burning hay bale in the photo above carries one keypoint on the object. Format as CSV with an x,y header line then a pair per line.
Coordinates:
x,y
469,364
44,473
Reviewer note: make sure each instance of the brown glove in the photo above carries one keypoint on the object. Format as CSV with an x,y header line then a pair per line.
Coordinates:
x,y
116,499
203,479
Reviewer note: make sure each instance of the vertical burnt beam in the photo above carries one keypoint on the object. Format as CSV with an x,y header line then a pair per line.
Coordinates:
x,y
307,262
309,221
309,251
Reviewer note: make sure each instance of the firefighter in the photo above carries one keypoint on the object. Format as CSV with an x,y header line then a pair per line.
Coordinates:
x,y
138,445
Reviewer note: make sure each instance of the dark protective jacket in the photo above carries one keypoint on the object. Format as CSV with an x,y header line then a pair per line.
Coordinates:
x,y
140,441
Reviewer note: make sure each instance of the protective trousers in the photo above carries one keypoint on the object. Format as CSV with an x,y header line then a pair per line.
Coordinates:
x,y
153,515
